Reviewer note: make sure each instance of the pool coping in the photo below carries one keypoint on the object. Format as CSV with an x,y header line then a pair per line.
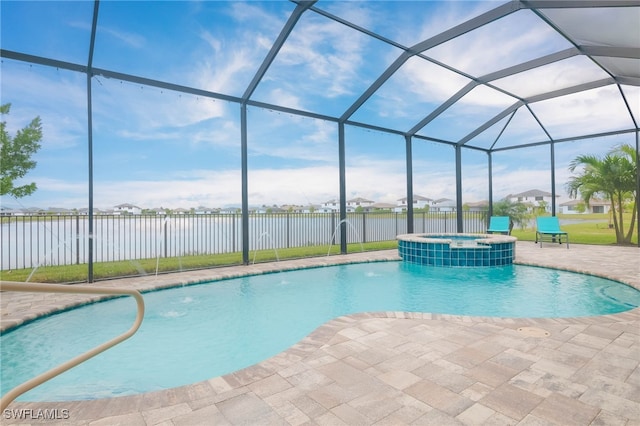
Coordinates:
x,y
444,237
218,390
55,303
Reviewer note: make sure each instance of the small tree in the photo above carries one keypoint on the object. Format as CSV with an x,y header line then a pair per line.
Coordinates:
x,y
15,155
541,208
517,212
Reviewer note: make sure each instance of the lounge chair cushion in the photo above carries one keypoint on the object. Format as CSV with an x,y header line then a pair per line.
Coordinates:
x,y
548,227
499,224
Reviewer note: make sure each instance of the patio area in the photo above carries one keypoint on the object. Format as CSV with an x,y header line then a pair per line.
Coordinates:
x,y
400,368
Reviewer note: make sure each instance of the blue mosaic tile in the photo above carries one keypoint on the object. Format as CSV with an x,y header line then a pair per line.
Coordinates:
x,y
440,254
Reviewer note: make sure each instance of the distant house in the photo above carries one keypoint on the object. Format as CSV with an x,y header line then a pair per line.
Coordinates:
x,y
419,202
205,210
312,208
127,208
444,205
269,209
4,211
35,211
292,208
160,211
334,206
330,206
354,203
230,210
96,212
479,206
58,211
383,206
595,206
180,211
533,198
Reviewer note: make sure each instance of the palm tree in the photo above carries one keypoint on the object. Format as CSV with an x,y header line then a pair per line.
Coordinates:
x,y
631,157
613,177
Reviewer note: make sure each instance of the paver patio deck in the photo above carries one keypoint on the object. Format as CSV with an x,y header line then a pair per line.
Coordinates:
x,y
395,368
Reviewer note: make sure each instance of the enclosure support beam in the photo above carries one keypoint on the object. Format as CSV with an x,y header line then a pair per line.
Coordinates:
x,y
245,184
459,224
552,147
638,185
487,78
277,45
443,37
90,141
510,110
490,172
343,189
409,173
557,141
534,99
90,180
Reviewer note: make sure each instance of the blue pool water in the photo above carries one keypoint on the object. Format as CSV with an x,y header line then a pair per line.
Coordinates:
x,y
198,332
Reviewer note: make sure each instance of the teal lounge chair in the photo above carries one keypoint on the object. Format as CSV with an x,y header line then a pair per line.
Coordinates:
x,y
499,225
548,228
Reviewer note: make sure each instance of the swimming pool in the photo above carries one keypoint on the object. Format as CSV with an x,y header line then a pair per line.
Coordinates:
x,y
212,329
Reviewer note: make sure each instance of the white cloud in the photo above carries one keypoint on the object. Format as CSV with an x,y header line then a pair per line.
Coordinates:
x,y
499,44
483,97
378,180
143,113
427,81
235,53
52,192
448,15
209,188
558,75
520,180
321,57
486,49
220,72
57,97
523,128
592,111
282,96
129,39
248,12
293,186
292,138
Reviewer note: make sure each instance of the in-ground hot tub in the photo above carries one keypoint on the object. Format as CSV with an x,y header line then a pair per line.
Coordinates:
x,y
457,250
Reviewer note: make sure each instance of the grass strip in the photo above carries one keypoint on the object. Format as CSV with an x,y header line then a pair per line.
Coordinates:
x,y
138,267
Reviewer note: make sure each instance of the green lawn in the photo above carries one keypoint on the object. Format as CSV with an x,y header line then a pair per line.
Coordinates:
x,y
105,270
587,232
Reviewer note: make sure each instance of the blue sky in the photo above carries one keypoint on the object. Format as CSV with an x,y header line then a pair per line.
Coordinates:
x,y
156,147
